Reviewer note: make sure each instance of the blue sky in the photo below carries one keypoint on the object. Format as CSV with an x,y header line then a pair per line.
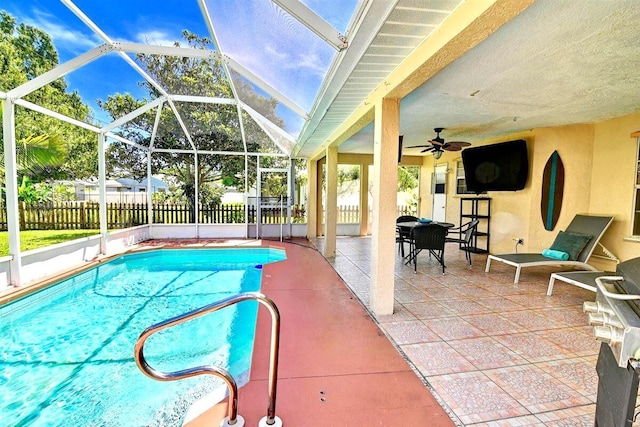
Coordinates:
x,y
255,33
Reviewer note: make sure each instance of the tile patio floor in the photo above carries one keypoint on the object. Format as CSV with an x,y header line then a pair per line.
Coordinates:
x,y
495,353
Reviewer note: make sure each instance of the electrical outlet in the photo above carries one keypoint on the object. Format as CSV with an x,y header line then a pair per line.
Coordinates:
x,y
520,241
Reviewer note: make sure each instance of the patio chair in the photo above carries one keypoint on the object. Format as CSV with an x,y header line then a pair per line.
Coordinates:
x,y
588,228
582,279
465,233
402,236
427,237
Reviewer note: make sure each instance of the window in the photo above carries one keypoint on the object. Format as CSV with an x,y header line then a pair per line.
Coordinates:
x,y
635,230
461,184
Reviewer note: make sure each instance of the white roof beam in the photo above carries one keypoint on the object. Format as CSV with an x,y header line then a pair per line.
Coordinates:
x,y
266,87
125,140
58,72
72,121
183,151
55,115
132,115
314,22
263,121
231,153
274,170
203,99
184,128
84,18
204,9
271,125
149,49
144,74
88,22
3,95
156,123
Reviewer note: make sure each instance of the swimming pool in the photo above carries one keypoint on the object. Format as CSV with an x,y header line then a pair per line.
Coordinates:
x,y
66,352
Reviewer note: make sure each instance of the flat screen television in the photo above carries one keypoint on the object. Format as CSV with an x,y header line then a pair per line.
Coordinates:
x,y
496,167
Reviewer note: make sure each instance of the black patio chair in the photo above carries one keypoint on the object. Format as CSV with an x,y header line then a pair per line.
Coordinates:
x,y
465,233
402,236
427,237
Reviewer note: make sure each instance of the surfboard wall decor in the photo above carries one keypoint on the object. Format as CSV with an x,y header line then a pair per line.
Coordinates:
x,y
552,191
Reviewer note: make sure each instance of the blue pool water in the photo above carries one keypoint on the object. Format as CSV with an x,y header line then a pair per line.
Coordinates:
x,y
66,353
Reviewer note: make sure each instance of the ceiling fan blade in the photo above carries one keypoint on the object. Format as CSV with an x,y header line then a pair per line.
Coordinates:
x,y
419,146
431,148
459,143
436,141
452,148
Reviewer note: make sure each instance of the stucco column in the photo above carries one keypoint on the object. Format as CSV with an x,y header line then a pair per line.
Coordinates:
x,y
11,185
424,189
331,210
312,199
364,199
385,184
320,219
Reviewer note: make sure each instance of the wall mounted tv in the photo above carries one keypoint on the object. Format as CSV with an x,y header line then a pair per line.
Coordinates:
x,y
496,167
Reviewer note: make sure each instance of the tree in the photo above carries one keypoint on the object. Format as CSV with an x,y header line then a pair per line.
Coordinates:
x,y
213,127
408,178
37,155
43,143
33,193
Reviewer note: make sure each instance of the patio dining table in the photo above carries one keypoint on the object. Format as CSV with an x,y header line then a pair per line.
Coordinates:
x,y
410,225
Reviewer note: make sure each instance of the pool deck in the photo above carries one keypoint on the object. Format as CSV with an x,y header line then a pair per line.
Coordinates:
x,y
337,368
493,354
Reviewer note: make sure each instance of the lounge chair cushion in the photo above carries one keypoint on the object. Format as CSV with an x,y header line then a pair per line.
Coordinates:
x,y
571,243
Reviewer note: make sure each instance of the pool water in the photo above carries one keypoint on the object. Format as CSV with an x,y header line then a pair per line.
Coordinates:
x,y
66,353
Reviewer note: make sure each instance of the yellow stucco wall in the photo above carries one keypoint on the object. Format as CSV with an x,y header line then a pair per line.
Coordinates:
x,y
510,211
575,147
600,166
612,185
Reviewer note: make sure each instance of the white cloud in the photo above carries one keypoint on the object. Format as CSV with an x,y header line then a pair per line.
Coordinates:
x,y
282,56
64,37
311,61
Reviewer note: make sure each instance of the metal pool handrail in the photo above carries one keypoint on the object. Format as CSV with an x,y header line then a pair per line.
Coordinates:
x,y
271,418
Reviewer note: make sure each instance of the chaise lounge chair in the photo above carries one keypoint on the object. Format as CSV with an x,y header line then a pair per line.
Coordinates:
x,y
585,225
582,279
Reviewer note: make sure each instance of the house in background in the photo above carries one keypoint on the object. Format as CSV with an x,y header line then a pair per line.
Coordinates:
x,y
133,186
121,190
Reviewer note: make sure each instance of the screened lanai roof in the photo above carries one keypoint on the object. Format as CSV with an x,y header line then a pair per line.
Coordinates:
x,y
281,50
318,60
479,68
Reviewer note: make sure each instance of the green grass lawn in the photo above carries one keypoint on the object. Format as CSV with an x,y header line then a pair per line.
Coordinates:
x,y
35,239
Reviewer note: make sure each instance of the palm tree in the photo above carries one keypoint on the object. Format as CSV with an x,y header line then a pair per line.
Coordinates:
x,y
37,155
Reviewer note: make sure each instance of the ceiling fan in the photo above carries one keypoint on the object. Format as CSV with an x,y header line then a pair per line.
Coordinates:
x,y
438,145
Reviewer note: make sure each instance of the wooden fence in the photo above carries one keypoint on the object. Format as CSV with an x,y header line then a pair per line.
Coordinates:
x,y
86,215
351,213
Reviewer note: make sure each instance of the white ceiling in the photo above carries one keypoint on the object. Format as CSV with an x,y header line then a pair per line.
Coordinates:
x,y
556,63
